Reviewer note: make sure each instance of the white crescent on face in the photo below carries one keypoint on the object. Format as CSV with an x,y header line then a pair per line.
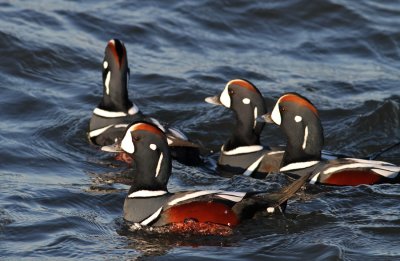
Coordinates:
x,y
127,144
276,114
225,98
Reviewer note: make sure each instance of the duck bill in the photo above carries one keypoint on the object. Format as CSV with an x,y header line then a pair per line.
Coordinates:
x,y
265,118
213,100
116,147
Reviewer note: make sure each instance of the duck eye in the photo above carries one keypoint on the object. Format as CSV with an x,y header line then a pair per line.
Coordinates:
x,y
282,108
136,138
231,92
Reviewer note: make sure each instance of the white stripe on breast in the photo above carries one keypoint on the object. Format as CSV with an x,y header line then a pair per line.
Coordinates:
x,y
151,218
253,166
97,132
314,179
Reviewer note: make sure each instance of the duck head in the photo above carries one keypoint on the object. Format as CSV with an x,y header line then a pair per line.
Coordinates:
x,y
299,120
147,145
247,103
115,78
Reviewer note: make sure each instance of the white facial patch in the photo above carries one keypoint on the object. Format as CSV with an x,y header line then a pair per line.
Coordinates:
x,y
105,64
246,101
225,98
153,146
305,138
127,144
107,82
276,115
298,118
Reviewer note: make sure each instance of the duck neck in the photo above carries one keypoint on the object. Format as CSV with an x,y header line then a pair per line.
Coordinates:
x,y
115,94
151,175
303,144
246,133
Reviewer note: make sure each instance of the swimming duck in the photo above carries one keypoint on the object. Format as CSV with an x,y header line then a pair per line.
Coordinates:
x,y
243,153
299,120
115,111
149,203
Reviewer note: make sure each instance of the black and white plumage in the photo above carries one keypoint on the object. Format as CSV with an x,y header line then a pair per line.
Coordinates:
x,y
299,120
116,111
149,203
243,152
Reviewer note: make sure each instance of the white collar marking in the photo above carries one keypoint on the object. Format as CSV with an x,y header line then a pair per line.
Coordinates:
x,y
151,218
242,150
159,164
299,165
305,138
233,196
253,166
115,114
147,193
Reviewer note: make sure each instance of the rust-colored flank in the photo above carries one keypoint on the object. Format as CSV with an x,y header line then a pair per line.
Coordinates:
x,y
353,178
203,212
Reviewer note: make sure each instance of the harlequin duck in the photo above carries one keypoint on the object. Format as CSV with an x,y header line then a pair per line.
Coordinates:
x,y
243,152
116,111
149,203
299,120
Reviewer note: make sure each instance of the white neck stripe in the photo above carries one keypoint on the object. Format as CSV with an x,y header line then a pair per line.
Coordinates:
x,y
159,164
147,193
107,82
242,150
255,116
305,138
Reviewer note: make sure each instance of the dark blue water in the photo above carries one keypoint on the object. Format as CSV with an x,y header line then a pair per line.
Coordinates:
x,y
57,198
